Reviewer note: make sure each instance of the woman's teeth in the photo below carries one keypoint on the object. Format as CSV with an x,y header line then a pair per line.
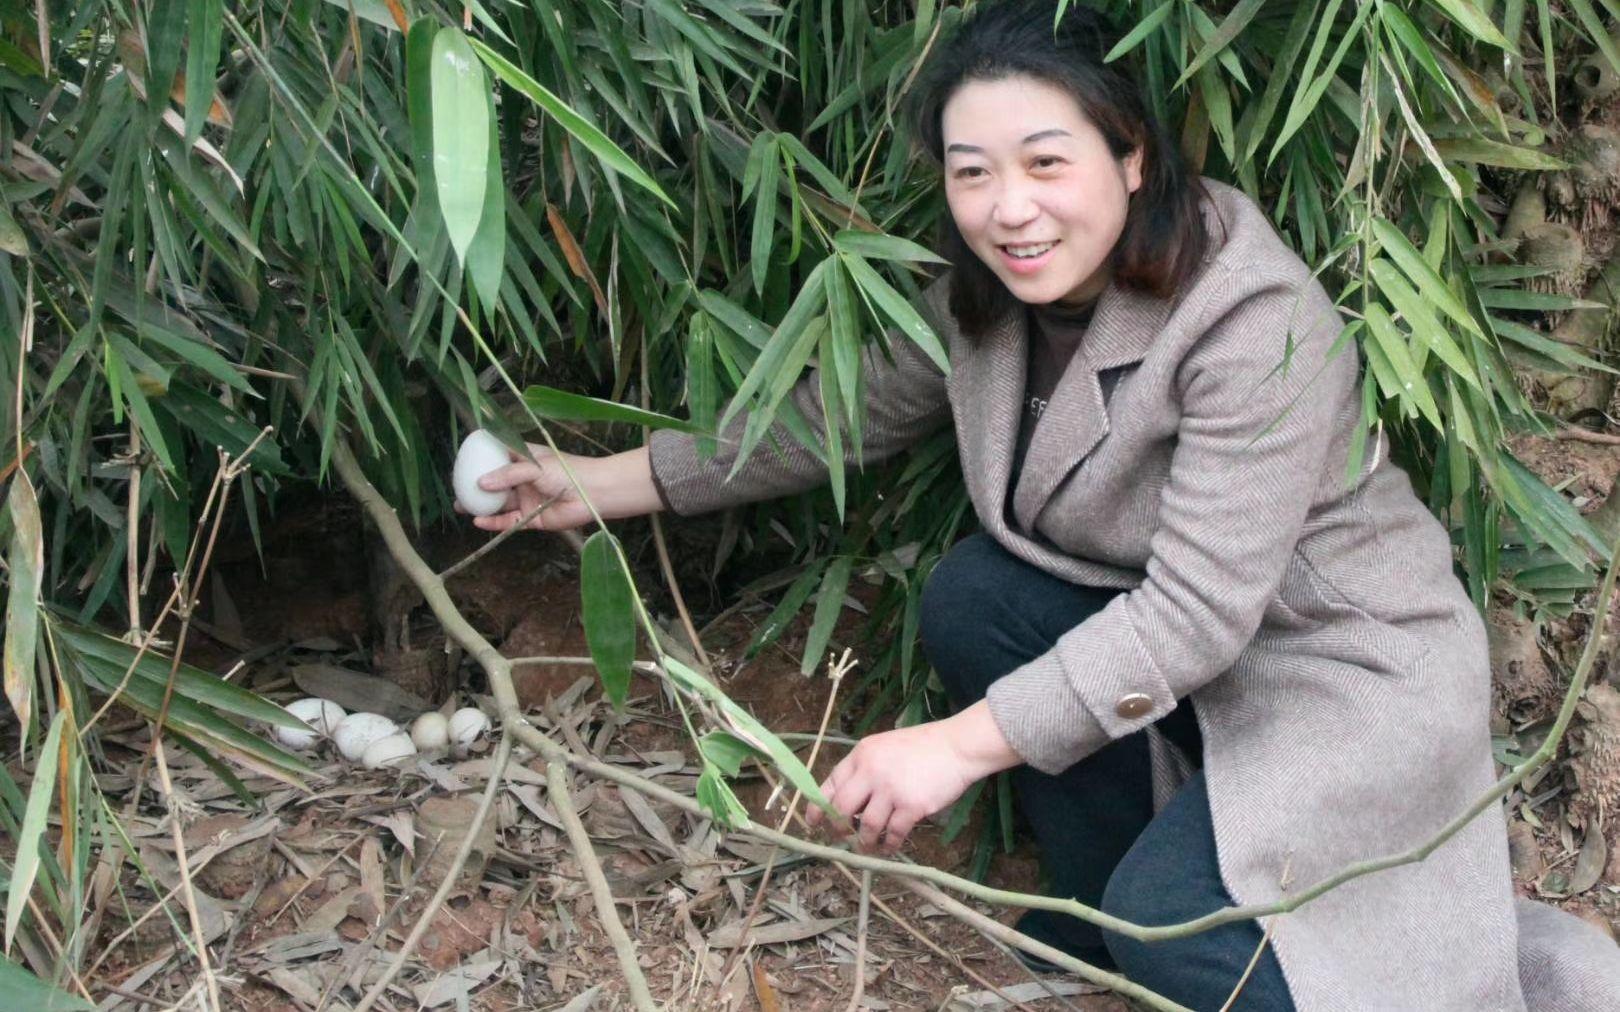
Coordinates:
x,y
1029,252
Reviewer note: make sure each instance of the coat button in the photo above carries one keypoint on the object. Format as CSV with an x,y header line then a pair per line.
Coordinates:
x,y
1133,705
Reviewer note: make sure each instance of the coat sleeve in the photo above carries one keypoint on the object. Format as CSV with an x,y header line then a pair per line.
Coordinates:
x,y
1240,484
904,399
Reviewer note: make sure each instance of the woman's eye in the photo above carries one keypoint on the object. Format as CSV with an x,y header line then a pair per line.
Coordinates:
x,y
968,172
1047,161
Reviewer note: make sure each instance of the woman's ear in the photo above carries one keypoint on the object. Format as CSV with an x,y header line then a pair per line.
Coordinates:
x,y
1133,169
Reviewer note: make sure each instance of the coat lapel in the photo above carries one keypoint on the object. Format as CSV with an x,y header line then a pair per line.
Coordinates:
x,y
987,383
1121,332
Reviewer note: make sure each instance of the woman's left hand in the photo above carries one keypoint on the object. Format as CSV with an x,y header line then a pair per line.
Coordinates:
x,y
895,779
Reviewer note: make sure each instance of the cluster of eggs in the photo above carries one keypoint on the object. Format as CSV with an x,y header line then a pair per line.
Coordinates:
x,y
375,741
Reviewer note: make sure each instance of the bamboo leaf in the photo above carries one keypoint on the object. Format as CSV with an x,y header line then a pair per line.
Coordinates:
x,y
1471,18
759,247
26,562
549,402
897,309
1229,29
202,58
829,603
608,613
25,866
595,140
486,257
1413,388
1429,284
1485,151
20,989
883,247
1150,21
461,132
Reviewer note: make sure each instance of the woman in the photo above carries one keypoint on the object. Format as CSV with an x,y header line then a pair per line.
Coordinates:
x,y
1220,667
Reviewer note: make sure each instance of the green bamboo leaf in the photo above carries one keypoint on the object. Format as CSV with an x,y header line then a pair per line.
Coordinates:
x,y
374,11
593,139
738,320
1421,319
20,989
25,866
718,800
832,412
1484,151
608,613
486,258
772,361
843,317
829,603
1287,56
190,682
1512,298
1412,387
419,102
165,30
896,308
1230,28
1564,354
746,727
702,385
797,594
202,59
12,238
727,751
766,194
1152,20
1595,30
26,562
1311,89
884,247
461,131
549,402
1475,21
1429,284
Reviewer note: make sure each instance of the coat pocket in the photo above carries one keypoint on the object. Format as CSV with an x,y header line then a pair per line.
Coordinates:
x,y
1328,622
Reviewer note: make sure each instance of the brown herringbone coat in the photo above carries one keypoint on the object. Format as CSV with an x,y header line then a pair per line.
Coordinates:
x,y
1337,668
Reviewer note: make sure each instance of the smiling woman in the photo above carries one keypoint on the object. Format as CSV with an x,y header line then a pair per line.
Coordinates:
x,y
1219,666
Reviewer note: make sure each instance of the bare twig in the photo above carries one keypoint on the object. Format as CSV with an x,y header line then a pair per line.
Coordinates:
x,y
859,989
495,542
186,891
497,770
662,548
1580,435
1248,971
562,800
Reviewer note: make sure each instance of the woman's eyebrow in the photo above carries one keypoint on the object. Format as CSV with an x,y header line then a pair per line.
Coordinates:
x,y
1039,135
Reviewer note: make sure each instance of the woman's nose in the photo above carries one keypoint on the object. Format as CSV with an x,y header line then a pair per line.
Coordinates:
x,y
1015,207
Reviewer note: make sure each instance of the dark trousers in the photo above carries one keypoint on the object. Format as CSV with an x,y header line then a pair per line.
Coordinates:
x,y
986,612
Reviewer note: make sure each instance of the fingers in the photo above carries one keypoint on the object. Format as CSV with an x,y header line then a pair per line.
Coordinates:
x,y
873,820
498,523
901,823
512,475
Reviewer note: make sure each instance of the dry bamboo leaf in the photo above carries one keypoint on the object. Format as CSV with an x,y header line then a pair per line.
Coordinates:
x,y
649,819
768,1001
371,880
297,983
731,935
584,1001
328,915
1034,990
1590,862
356,691
457,983
402,824
574,256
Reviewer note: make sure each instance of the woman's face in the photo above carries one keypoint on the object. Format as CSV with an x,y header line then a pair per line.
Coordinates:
x,y
1033,187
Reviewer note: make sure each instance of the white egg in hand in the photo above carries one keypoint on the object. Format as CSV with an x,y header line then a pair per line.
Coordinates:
x,y
480,454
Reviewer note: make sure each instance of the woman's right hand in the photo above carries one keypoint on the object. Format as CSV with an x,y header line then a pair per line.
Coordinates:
x,y
620,485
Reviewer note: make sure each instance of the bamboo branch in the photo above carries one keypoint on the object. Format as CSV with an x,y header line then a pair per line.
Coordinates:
x,y
623,947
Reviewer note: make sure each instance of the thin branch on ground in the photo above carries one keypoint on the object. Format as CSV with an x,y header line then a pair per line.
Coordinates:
x,y
865,913
835,674
187,892
625,949
1248,971
1577,434
660,545
495,542
503,752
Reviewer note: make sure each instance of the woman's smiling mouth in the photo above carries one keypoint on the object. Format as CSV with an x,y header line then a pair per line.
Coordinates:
x,y
1026,257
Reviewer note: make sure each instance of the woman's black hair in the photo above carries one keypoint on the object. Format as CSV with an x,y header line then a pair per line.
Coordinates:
x,y
1163,240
